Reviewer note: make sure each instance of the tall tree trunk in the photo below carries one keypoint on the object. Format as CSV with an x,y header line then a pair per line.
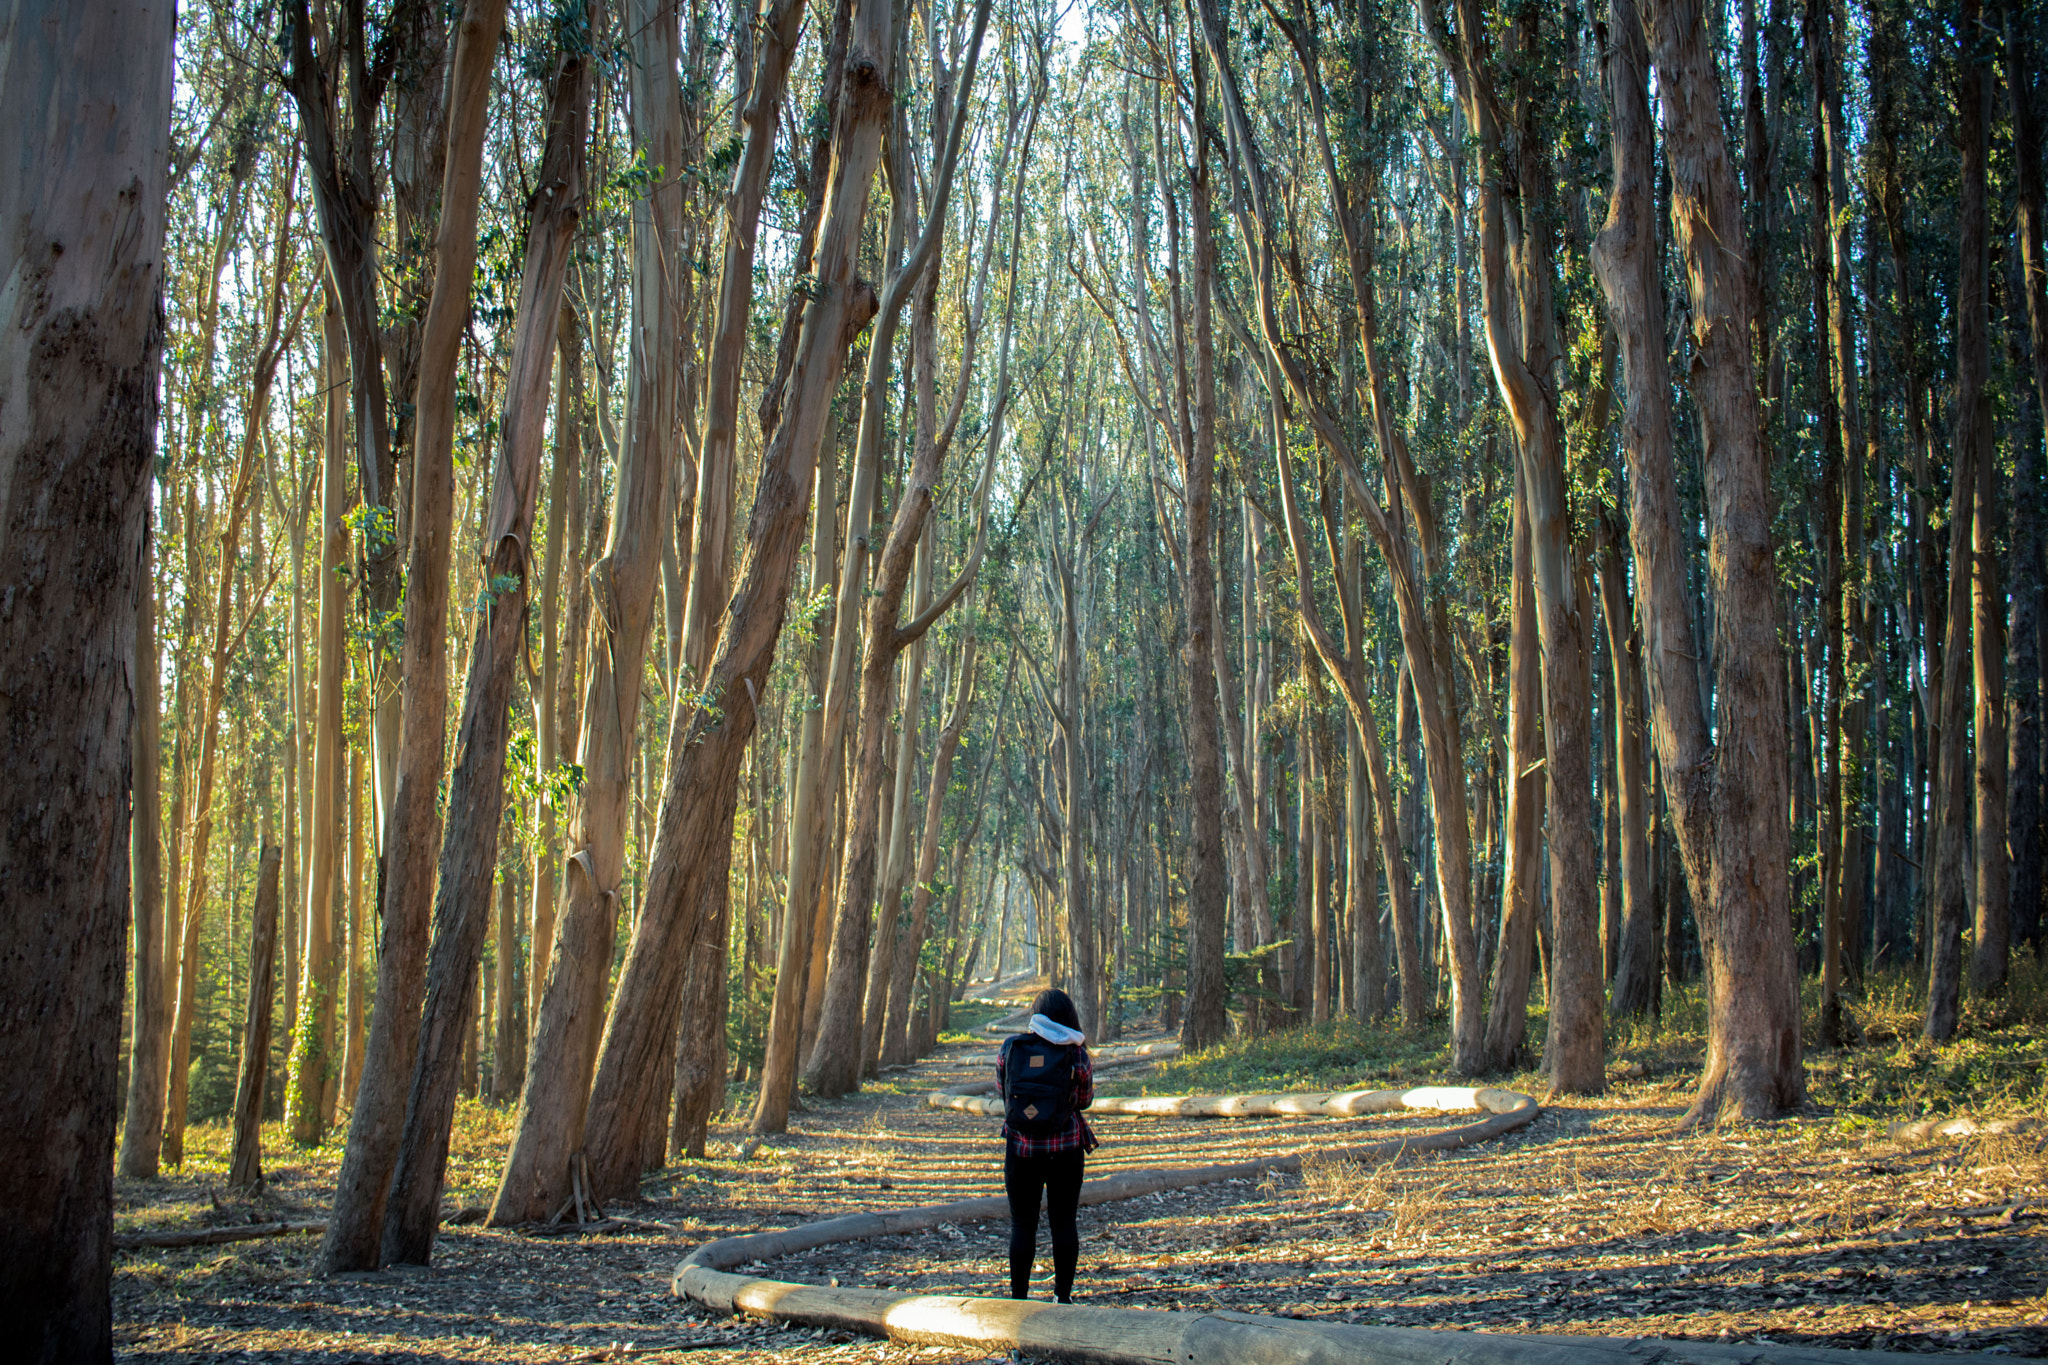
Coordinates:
x,y
476,788
552,1105
355,1228
85,96
1515,239
707,742
245,1166
564,484
1507,1020
315,1072
1203,1021
352,1033
1753,1062
143,1129
815,788
1970,484
834,1064
1991,951
2029,613
225,637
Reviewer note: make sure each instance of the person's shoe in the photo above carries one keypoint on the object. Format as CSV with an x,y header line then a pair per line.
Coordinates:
x,y
1063,1298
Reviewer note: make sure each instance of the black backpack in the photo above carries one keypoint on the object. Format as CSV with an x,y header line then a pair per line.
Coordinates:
x,y
1038,1085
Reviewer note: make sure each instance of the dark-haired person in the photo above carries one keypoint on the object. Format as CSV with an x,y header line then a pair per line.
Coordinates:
x,y
1046,1081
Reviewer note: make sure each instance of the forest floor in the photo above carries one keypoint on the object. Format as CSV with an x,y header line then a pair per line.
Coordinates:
x,y
1598,1219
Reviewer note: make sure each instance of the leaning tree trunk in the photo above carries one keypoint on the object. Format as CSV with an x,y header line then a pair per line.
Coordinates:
x,y
245,1167
834,1065
85,96
552,1103
355,1228
476,791
708,742
1969,480
1753,1065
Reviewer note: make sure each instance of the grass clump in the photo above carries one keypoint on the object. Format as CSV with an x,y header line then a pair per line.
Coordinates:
x,y
965,1018
1340,1055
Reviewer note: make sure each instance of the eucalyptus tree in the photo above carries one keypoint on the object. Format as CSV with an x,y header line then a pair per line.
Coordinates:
x,y
86,93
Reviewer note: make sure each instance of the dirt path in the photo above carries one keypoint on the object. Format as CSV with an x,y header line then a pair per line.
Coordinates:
x,y
1593,1220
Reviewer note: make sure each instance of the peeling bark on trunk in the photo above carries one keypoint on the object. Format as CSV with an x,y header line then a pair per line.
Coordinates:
x,y
85,95
476,789
1731,808
563,1048
707,742
356,1228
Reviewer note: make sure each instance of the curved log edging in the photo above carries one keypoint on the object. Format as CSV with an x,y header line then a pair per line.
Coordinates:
x,y
1136,1336
977,1097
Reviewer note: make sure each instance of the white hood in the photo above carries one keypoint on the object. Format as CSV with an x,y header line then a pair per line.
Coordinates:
x,y
1056,1033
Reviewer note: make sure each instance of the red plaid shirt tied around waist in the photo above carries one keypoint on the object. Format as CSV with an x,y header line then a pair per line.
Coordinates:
x,y
1077,1136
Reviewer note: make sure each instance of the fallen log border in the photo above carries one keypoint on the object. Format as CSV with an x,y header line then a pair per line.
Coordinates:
x,y
1128,1336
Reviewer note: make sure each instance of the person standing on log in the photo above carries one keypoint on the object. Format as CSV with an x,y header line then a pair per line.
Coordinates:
x,y
1046,1081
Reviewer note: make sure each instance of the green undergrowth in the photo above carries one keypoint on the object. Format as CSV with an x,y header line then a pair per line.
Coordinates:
x,y
965,1019
1997,1066
1340,1055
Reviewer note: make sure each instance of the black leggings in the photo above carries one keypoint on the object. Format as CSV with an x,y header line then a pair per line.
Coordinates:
x,y
1059,1177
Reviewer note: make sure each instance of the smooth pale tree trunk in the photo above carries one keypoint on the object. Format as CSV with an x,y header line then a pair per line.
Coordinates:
x,y
143,1128
355,1228
1507,1019
85,96
891,928
564,481
1753,1065
897,1043
245,1166
476,788
707,743
315,1072
241,492
352,1028
1971,480
553,1103
2024,816
811,806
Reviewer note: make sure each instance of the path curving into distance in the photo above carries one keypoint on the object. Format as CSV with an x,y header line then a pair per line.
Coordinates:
x,y
1135,1336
